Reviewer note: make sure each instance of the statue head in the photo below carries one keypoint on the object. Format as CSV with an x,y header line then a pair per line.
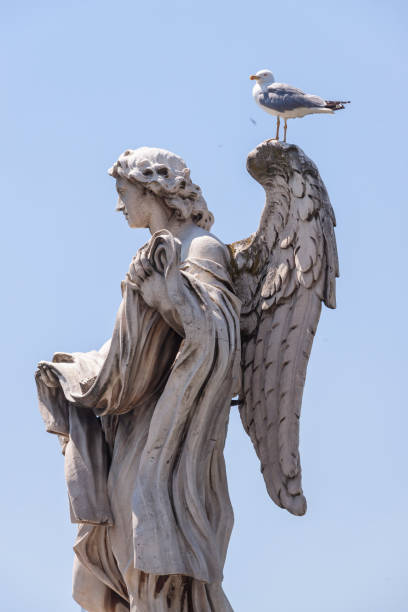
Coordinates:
x,y
166,175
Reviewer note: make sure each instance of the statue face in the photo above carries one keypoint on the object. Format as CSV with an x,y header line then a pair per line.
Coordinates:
x,y
135,202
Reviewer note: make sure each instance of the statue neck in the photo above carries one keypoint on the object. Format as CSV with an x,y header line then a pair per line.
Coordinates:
x,y
180,228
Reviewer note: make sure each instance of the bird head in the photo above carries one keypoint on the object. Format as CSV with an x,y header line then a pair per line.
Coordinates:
x,y
263,76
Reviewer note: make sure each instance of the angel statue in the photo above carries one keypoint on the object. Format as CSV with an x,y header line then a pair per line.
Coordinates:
x,y
143,420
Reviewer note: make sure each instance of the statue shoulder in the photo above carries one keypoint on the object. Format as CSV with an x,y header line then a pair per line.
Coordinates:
x,y
208,246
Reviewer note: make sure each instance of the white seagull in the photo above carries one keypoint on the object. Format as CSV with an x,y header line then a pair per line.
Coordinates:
x,y
285,101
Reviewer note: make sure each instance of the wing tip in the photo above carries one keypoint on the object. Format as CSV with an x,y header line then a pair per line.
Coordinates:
x,y
297,505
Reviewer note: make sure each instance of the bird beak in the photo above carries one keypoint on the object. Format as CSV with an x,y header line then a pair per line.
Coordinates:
x,y
253,77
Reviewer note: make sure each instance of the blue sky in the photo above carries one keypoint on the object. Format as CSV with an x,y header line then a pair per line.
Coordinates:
x,y
82,81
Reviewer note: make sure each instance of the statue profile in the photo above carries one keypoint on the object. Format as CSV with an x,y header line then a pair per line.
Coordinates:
x,y
143,420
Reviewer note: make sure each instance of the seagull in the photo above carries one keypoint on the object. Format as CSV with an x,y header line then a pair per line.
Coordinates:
x,y
287,102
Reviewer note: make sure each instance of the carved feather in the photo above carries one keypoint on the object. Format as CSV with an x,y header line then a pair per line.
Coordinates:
x,y
282,273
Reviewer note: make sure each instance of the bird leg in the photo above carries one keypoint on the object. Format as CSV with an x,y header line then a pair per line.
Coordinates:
x,y
277,127
285,127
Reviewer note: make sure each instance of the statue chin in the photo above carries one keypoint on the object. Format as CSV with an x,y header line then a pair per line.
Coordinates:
x,y
142,421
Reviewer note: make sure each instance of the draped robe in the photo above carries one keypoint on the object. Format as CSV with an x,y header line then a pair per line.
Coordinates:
x,y
143,423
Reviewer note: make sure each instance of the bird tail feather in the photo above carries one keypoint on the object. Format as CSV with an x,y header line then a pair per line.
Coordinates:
x,y
336,104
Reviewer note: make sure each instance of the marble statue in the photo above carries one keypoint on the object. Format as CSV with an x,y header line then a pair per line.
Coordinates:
x,y
142,421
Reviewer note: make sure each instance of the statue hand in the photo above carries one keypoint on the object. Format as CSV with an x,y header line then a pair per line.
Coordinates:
x,y
146,280
45,372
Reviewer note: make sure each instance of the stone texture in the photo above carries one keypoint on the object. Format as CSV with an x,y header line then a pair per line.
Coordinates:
x,y
282,274
142,421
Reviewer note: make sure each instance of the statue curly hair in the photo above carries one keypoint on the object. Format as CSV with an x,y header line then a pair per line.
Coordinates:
x,y
166,175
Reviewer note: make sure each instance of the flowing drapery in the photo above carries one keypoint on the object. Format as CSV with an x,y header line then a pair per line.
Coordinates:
x,y
145,419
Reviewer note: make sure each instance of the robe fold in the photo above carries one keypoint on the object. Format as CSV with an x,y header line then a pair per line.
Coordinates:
x,y
145,421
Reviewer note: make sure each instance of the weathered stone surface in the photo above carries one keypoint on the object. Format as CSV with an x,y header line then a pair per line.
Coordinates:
x,y
282,274
142,421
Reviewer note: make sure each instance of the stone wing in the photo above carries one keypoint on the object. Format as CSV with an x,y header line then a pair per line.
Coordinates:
x,y
282,273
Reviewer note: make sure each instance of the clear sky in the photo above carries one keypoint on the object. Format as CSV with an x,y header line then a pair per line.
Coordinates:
x,y
84,80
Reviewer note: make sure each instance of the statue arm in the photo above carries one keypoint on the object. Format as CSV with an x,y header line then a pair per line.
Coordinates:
x,y
167,288
153,286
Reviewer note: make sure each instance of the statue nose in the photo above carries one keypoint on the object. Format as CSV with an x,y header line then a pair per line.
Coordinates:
x,y
120,205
